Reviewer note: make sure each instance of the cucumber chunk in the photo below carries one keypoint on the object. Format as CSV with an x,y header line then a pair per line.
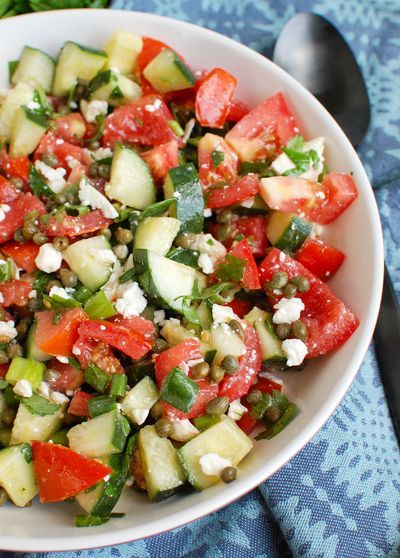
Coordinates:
x,y
123,48
131,182
167,72
32,350
142,396
156,234
28,427
16,474
22,94
183,184
287,231
164,280
225,342
106,434
25,369
225,439
162,470
27,130
76,62
271,346
79,256
114,88
35,67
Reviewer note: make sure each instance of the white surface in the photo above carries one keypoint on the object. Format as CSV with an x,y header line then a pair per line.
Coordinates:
x,y
318,389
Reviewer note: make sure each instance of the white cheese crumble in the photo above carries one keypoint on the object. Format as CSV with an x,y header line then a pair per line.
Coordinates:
x,y
88,195
282,164
131,301
206,263
44,390
62,359
61,292
58,397
32,294
72,162
248,202
207,212
295,351
23,388
222,314
100,153
48,259
103,255
76,350
155,106
54,177
4,208
159,316
93,109
236,410
184,431
1,298
207,244
212,464
288,310
33,105
121,251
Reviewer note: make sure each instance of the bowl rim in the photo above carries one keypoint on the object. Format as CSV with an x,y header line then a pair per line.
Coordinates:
x,y
183,517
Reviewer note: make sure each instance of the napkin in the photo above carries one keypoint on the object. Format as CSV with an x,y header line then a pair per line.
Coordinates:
x,y
340,496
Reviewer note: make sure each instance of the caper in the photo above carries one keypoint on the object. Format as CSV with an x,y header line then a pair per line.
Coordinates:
x,y
68,278
8,417
278,280
19,236
185,240
14,349
33,304
106,233
226,216
230,364
31,217
282,331
93,145
237,328
50,159
94,170
254,396
29,230
157,410
290,290
3,497
53,283
104,171
301,282
60,199
228,474
216,373
299,330
22,327
3,357
164,427
160,345
40,238
225,232
123,236
18,183
200,371
60,243
217,406
273,414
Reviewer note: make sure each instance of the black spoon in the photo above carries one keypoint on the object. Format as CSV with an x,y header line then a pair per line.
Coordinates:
x,y
313,51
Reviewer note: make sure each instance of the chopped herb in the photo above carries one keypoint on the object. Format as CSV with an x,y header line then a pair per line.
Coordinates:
x,y
123,214
176,128
38,184
232,269
287,416
98,134
304,160
210,241
189,312
275,399
39,406
213,293
157,208
58,302
257,167
217,157
127,276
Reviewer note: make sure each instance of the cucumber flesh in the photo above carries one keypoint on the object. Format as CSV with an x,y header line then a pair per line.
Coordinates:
x,y
79,256
35,67
183,184
225,342
271,346
142,396
28,427
114,88
167,72
27,130
156,234
32,350
123,48
16,474
22,94
287,231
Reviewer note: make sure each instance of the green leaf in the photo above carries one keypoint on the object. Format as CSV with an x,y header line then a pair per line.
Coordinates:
x,y
287,416
41,281
213,293
275,399
127,276
39,406
157,208
257,167
38,184
100,118
296,143
189,312
217,157
304,160
58,302
232,269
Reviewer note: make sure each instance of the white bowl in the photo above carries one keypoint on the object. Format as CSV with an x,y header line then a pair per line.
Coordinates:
x,y
318,389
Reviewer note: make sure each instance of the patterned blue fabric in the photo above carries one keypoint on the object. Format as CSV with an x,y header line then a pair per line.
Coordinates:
x,y
340,496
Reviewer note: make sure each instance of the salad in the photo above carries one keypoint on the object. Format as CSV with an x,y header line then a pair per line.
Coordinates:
x,y
160,262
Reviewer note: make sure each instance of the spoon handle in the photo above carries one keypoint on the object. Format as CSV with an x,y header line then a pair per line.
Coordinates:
x,y
387,346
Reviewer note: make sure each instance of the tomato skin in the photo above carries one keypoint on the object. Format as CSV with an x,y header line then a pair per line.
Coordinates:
x,y
237,110
14,218
161,159
266,385
70,377
329,322
206,392
246,422
75,225
17,167
291,194
23,253
65,127
3,370
240,190
262,131
174,357
236,385
132,123
319,258
250,278
50,143
79,404
120,336
253,228
340,191
241,307
151,48
214,97
15,292
137,324
58,339
7,191
99,353
227,170
62,473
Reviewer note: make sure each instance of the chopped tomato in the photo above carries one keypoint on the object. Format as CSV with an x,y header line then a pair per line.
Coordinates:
x,y
267,385
14,218
7,191
70,127
174,357
62,224
137,323
87,350
241,307
206,392
3,370
237,110
236,385
151,48
50,143
79,404
232,194
161,159
263,130
15,292
62,473
329,322
319,258
69,377
78,172
253,228
242,250
214,97
246,422
58,337
339,192
23,254
291,194
133,123
17,167
228,164
120,336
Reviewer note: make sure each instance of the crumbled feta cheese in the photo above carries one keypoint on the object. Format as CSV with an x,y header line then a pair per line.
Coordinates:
x,y
207,244
131,301
33,105
295,351
1,298
222,314
282,164
317,144
100,153
72,162
62,359
106,478
159,316
59,141
103,255
152,108
184,431
48,259
60,291
248,202
44,390
58,397
139,415
92,109
88,195
54,177
236,410
8,330
121,251
288,310
212,464
23,388
69,392
76,350
4,208
190,124
206,263
207,212
32,294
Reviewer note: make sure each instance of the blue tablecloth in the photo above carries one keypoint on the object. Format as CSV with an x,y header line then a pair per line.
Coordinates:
x,y
340,496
